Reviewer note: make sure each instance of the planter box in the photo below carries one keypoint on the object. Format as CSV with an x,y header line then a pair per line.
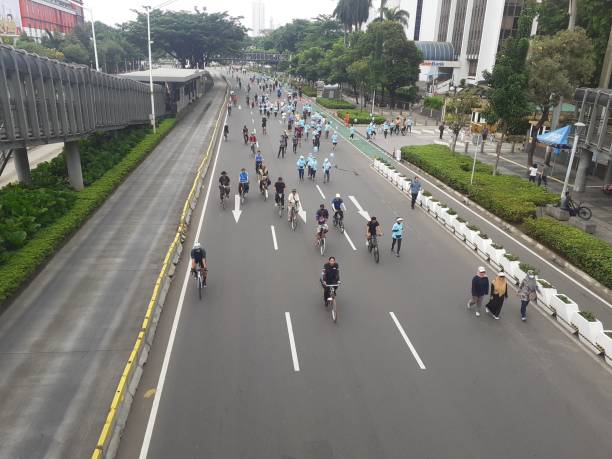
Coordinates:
x,y
605,343
471,238
482,246
460,229
449,221
495,256
385,170
377,165
441,212
419,199
433,207
512,270
545,298
406,185
587,331
564,312
424,201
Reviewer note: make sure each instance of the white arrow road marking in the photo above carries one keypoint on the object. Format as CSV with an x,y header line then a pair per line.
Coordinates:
x,y
360,210
349,241
320,192
274,237
405,336
296,363
236,210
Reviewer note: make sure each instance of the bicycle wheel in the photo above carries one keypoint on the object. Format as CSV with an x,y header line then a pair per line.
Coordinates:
x,y
341,226
293,221
280,210
199,280
334,311
584,213
376,254
322,245
370,247
266,194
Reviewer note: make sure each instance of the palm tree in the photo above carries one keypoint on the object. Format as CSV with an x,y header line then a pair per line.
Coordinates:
x,y
383,7
396,14
345,14
361,11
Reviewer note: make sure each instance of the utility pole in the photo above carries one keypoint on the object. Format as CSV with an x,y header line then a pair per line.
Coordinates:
x,y
606,70
573,7
148,9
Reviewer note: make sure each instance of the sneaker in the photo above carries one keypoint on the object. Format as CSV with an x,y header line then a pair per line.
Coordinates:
x,y
397,255
523,319
487,309
496,317
469,305
477,314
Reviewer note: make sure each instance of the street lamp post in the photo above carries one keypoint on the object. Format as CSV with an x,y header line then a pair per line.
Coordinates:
x,y
93,30
148,9
578,126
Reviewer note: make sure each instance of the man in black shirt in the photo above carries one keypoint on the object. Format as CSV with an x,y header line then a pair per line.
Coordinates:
x,y
329,276
279,196
224,188
372,229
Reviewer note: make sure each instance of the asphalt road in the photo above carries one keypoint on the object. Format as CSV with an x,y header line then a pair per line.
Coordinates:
x,y
455,386
65,340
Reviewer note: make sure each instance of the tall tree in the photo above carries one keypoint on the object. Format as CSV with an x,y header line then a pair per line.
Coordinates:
x,y
396,14
556,66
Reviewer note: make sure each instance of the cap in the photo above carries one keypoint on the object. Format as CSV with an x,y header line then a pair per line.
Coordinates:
x,y
337,195
400,219
481,269
501,274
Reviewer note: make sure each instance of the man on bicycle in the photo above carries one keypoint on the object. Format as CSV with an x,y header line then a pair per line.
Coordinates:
x,y
258,161
225,131
329,276
293,202
279,195
198,258
224,185
253,140
321,216
245,134
229,108
264,122
338,207
263,178
372,229
243,182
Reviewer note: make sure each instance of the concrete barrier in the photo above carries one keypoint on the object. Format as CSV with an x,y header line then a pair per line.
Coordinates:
x,y
586,226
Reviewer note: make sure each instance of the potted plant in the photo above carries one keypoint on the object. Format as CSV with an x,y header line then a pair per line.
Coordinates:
x,y
511,266
524,268
425,197
564,309
433,206
604,342
460,226
441,211
496,253
449,219
471,236
588,328
482,245
547,291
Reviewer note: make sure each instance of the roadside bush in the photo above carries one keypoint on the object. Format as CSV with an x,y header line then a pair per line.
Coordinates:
x,y
583,250
309,91
334,103
16,266
509,197
362,116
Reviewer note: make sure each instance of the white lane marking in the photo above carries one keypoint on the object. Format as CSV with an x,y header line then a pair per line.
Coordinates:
x,y
320,192
274,237
296,363
349,241
360,210
236,210
405,336
177,316
513,239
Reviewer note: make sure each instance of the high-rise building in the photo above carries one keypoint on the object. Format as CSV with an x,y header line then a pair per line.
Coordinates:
x,y
259,17
40,16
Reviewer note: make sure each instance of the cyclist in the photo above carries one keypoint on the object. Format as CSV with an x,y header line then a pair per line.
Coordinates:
x,y
243,182
253,141
293,200
245,134
225,131
224,185
372,229
263,177
258,161
326,169
264,122
338,207
229,108
198,258
321,217
247,100
279,195
301,164
329,276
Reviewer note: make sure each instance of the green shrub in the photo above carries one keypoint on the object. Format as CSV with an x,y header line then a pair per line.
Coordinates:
x,y
526,267
435,102
509,197
360,116
544,284
309,91
334,103
497,246
510,257
588,315
583,250
18,265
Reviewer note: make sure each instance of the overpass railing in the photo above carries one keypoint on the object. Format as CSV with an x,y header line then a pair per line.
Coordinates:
x,y
44,100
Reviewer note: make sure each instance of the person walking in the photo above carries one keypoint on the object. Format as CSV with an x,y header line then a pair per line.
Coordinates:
x,y
542,175
397,232
301,164
499,292
441,129
528,291
415,187
533,172
282,148
295,143
409,124
480,288
352,131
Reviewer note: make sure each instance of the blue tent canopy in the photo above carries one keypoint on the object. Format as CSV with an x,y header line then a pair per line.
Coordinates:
x,y
557,138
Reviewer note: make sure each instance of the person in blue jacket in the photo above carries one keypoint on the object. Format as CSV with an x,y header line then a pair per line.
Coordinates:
x,y
397,232
301,164
480,288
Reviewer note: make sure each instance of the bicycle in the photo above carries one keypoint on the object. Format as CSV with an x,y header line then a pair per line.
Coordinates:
x,y
339,222
293,214
321,242
373,247
331,301
581,211
263,188
246,138
199,278
224,195
243,190
252,149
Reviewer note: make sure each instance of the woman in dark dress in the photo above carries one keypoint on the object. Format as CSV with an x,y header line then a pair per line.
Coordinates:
x,y
499,292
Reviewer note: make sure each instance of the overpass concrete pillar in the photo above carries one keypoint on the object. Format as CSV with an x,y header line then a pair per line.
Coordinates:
x,y
586,157
608,178
22,165
73,164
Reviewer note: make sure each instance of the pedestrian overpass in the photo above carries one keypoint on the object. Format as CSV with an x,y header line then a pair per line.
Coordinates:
x,y
45,101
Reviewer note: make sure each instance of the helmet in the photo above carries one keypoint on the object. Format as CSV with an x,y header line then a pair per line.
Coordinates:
x,y
400,219
196,245
301,156
223,173
294,190
337,195
326,159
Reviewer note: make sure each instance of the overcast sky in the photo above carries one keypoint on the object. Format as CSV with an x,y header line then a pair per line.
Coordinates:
x,y
281,11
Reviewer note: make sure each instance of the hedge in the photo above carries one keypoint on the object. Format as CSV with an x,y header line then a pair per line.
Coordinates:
x,y
362,116
587,252
23,263
334,103
309,91
508,196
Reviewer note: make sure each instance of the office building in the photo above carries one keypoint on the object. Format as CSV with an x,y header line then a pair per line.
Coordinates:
x,y
259,18
39,16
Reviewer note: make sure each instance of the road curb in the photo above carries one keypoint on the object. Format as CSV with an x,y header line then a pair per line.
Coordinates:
x,y
108,441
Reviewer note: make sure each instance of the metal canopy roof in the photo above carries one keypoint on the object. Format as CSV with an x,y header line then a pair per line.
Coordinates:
x,y
436,50
166,75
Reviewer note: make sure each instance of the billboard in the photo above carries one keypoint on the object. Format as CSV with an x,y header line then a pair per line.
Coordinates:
x,y
10,18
